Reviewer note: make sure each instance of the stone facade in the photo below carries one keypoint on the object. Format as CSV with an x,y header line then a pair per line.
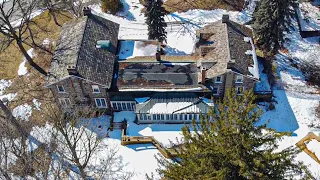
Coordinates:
x,y
78,93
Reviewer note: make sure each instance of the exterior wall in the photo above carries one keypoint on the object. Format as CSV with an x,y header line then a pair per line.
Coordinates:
x,y
78,91
167,118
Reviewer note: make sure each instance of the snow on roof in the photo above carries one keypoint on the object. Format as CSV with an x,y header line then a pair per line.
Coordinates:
x,y
309,17
131,48
254,70
4,84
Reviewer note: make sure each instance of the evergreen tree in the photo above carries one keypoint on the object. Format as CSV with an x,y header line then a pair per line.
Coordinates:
x,y
273,21
155,20
229,145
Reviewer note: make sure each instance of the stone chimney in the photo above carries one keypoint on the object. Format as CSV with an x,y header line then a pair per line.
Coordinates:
x,y
86,11
225,18
203,76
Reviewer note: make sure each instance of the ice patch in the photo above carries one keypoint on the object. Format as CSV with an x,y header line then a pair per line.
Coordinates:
x,y
22,111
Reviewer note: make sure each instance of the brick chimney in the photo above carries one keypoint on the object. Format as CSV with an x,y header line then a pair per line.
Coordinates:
x,y
225,18
86,11
203,76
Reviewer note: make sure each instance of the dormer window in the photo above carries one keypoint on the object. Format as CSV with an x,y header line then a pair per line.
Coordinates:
x,y
218,79
60,88
95,89
239,79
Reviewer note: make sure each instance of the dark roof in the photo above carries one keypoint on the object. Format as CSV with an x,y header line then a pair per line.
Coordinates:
x,y
76,48
157,75
238,46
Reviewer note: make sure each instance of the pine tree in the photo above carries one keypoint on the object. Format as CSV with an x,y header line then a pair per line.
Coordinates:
x,y
155,20
229,145
273,21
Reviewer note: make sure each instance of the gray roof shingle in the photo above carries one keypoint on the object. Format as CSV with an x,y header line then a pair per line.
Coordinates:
x,y
77,47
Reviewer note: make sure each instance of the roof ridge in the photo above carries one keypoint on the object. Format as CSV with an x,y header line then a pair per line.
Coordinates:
x,y
79,49
228,44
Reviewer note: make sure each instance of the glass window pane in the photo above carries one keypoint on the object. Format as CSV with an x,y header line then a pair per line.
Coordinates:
x,y
119,106
149,117
181,116
175,117
133,106
114,105
154,117
167,116
158,116
162,116
124,107
98,103
190,117
103,103
186,117
129,107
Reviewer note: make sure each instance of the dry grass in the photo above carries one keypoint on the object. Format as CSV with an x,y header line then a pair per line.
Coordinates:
x,y
32,85
185,5
11,57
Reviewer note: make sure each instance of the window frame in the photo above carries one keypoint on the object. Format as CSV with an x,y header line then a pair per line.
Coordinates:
x,y
236,81
100,99
241,93
93,87
64,91
65,100
218,82
218,89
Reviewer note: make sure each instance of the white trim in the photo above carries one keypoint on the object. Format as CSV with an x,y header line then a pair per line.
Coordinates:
x,y
95,87
100,99
236,79
218,82
64,91
65,102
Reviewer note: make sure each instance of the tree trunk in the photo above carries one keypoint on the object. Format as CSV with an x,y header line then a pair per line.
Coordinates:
x,y
29,59
53,14
13,120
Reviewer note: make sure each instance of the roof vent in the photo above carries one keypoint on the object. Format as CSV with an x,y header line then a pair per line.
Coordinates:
x,y
86,11
105,44
225,18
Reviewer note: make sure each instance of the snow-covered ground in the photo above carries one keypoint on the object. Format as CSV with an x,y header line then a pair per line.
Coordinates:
x,y
22,112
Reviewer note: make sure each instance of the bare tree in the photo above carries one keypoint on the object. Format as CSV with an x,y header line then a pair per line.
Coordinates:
x,y
16,27
81,145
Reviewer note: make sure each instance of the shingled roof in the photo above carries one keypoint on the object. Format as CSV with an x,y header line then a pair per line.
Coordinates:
x,y
76,49
157,75
222,47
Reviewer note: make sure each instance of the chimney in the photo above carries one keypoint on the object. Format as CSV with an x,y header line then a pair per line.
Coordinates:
x,y
72,70
86,11
225,18
158,56
203,76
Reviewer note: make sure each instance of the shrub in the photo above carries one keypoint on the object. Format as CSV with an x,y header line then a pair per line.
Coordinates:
x,y
271,107
311,72
111,6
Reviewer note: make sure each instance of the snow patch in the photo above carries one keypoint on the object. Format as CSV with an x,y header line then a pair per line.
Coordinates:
x,y
22,111
314,146
22,67
37,104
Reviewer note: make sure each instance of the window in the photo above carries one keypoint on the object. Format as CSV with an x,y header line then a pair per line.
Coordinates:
x,y
158,116
181,116
167,117
149,117
95,89
239,79
114,105
162,116
154,117
100,102
141,116
175,116
60,88
119,106
215,91
133,106
171,117
65,102
196,117
190,116
218,79
124,107
145,117
129,108
239,90
186,117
